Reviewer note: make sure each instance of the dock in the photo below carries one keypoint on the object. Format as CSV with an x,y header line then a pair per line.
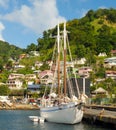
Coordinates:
x,y
101,115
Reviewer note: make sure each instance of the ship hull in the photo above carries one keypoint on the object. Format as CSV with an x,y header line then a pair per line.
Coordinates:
x,y
62,114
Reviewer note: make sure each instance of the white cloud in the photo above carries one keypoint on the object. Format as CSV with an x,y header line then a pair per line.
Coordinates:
x,y
42,15
102,7
1,29
82,12
4,3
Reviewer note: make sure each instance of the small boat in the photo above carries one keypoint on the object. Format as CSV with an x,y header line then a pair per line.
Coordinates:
x,y
36,119
66,107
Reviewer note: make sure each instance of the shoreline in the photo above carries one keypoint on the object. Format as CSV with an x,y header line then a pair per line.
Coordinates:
x,y
19,107
92,113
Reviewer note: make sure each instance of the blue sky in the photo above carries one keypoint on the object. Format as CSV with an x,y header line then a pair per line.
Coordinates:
x,y
22,22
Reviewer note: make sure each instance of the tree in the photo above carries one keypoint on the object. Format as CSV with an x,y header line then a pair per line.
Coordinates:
x,y
4,76
35,95
16,92
9,65
1,67
112,15
90,57
90,15
110,86
113,40
4,90
103,40
44,67
31,47
44,90
100,70
26,70
81,51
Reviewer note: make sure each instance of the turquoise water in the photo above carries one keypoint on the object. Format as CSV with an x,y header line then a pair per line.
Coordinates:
x,y
18,120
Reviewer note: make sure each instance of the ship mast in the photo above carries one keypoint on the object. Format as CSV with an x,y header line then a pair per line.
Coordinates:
x,y
65,33
58,46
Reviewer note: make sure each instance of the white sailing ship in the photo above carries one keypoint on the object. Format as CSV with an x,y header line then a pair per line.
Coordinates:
x,y
64,107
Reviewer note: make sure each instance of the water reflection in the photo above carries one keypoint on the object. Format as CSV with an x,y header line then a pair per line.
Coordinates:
x,y
19,120
55,126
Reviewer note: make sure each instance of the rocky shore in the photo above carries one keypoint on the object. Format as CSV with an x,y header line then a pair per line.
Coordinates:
x,y
17,106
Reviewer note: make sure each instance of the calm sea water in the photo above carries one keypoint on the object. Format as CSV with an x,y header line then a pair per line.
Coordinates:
x,y
18,120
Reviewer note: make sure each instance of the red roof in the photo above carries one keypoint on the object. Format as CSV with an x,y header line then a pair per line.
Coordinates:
x,y
110,72
113,51
45,72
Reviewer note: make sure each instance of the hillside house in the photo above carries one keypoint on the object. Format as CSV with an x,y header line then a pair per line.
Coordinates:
x,y
30,76
22,56
110,74
80,61
15,83
46,77
18,66
34,53
84,71
113,52
38,64
16,76
33,88
50,63
102,54
109,62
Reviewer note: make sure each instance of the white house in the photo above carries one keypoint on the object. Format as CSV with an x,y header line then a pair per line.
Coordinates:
x,y
38,64
109,62
80,61
111,74
102,54
84,71
46,77
18,66
30,76
15,83
16,76
35,53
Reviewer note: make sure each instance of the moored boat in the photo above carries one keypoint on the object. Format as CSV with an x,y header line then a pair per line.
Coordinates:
x,y
66,107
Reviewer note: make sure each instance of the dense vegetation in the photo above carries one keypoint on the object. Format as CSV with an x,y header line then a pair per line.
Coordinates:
x,y
8,51
90,35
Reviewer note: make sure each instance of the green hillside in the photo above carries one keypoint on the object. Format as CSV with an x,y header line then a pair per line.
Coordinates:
x,y
8,51
90,35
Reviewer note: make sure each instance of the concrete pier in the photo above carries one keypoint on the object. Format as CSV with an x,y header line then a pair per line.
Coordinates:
x,y
100,115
